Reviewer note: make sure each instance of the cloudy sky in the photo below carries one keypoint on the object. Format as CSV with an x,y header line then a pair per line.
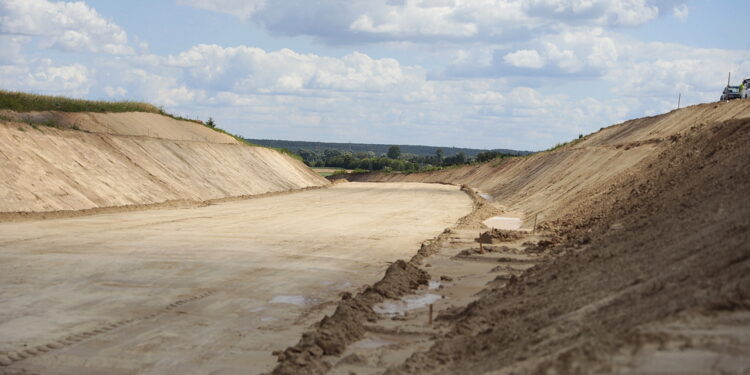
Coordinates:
x,y
470,73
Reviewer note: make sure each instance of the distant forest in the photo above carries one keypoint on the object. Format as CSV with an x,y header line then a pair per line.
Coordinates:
x,y
382,157
378,149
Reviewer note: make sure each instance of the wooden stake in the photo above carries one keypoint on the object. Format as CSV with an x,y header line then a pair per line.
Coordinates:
x,y
429,322
481,247
534,230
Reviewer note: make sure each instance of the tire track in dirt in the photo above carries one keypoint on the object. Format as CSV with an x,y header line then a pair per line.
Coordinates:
x,y
11,357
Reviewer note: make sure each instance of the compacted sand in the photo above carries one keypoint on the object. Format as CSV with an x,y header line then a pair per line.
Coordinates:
x,y
203,290
131,159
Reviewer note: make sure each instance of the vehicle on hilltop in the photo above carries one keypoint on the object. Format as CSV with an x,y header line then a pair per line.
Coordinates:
x,y
730,92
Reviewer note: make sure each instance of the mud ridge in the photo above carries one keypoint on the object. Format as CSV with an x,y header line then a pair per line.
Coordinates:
x,y
349,321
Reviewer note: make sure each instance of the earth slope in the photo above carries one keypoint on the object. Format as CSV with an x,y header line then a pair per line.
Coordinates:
x,y
648,255
97,160
551,184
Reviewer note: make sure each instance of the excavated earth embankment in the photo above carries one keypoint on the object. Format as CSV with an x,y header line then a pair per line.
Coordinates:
x,y
647,264
53,161
642,281
551,184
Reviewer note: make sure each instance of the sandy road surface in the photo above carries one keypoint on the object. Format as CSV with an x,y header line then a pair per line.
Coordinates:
x,y
204,290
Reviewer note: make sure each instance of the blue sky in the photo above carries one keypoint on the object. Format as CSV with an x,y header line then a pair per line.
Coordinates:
x,y
469,73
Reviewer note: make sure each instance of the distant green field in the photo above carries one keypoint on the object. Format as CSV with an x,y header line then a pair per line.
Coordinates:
x,y
328,171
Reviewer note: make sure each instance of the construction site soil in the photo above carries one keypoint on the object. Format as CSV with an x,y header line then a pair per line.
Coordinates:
x,y
129,160
210,289
647,264
633,258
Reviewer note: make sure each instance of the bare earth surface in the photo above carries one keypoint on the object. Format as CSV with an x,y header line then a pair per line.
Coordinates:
x,y
209,290
640,265
132,159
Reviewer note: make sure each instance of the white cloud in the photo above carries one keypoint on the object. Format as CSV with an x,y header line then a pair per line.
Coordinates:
x,y
162,89
415,19
524,59
569,51
430,20
69,26
595,12
574,51
247,69
10,49
681,11
46,77
664,69
115,92
239,8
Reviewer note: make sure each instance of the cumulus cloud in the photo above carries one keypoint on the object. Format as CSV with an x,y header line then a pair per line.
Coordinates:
x,y
239,8
567,52
681,11
414,19
69,26
435,20
45,76
10,49
248,69
578,50
655,69
524,59
115,92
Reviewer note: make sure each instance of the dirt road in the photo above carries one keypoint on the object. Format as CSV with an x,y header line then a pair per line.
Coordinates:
x,y
204,290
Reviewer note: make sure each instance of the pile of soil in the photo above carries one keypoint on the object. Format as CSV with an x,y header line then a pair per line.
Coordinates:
x,y
346,325
500,235
669,239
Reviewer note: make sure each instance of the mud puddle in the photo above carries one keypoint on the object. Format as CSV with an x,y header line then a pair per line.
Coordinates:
x,y
294,300
401,306
504,222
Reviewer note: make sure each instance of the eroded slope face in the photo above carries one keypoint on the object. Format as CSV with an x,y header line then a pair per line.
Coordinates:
x,y
653,276
553,183
124,123
146,159
649,262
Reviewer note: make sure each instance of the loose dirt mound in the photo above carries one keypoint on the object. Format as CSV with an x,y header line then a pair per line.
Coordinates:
x,y
45,169
500,235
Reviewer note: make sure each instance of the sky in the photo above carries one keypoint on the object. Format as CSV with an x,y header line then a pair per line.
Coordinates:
x,y
487,74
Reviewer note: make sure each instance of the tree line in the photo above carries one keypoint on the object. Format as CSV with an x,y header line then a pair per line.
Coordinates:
x,y
393,160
